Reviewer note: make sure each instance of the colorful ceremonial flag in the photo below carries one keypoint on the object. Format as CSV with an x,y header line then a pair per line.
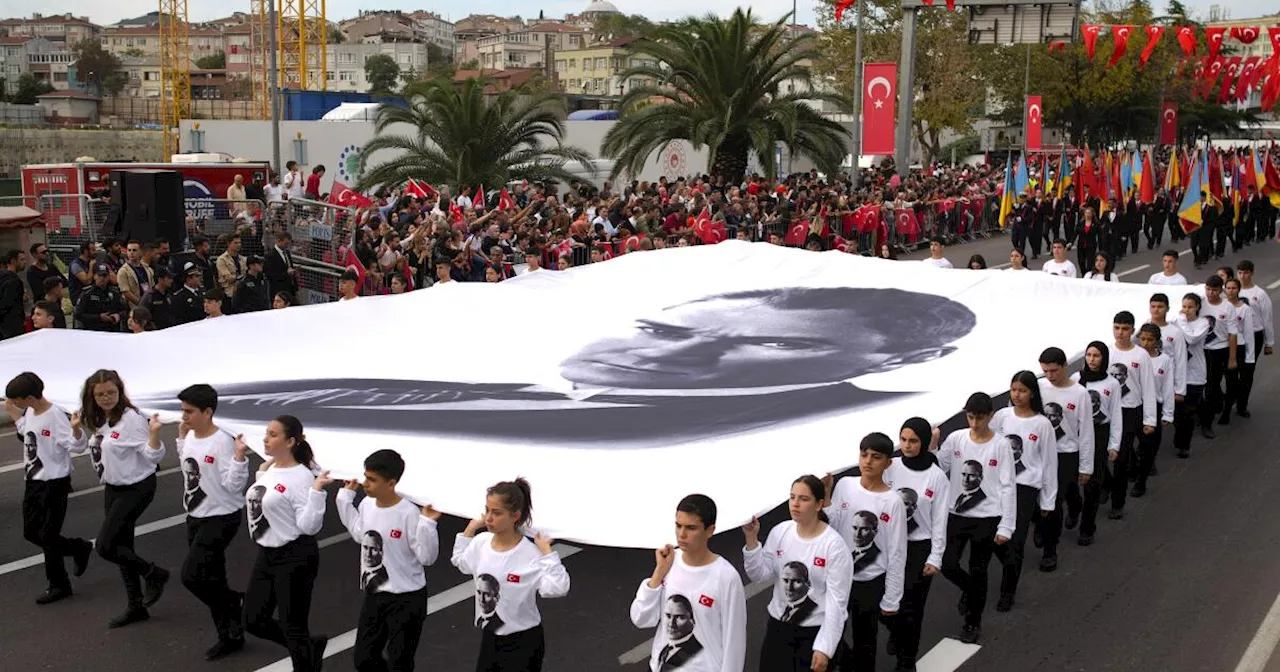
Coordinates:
x,y
1125,168
1006,195
1021,180
1189,210
878,96
1213,173
1235,197
1271,181
1173,177
1147,186
1064,174
1034,119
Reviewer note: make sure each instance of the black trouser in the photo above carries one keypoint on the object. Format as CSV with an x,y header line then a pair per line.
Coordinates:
x,y
787,647
124,505
1202,244
1019,238
1133,240
915,591
1036,237
517,652
44,509
1100,479
1148,448
1232,378
205,571
1154,227
1128,456
1084,259
281,580
390,621
864,625
1011,553
980,535
1215,364
1184,417
1246,373
1224,234
1069,502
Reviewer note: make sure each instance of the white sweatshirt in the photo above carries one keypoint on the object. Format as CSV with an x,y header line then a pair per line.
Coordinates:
x,y
282,506
990,464
119,452
1264,318
1036,462
1104,398
1065,269
395,543
712,600
1245,326
812,579
1133,370
1222,324
928,515
509,582
213,481
1163,373
1074,432
47,444
1162,279
874,527
1196,332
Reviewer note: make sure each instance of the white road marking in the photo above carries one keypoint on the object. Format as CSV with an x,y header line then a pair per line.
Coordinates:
x,y
1000,266
947,656
1264,642
1184,253
19,465
1274,285
100,488
1133,270
641,652
37,560
437,602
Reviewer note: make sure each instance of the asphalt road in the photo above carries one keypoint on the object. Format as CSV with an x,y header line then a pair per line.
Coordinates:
x,y
1182,584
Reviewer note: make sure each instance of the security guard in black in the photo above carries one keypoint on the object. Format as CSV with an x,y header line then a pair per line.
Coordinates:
x,y
187,302
251,291
101,306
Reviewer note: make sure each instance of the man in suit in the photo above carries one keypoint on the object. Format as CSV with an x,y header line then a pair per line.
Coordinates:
x,y
372,573
865,551
704,368
795,586
282,275
1041,220
488,593
682,646
971,481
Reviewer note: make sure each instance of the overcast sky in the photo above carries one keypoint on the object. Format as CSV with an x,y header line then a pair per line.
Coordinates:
x,y
200,10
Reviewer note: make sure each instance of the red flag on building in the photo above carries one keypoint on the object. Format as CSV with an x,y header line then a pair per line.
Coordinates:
x,y
1034,123
1121,34
345,197
1153,39
879,94
1169,124
1090,32
1244,34
1245,82
1214,37
1187,40
1229,74
505,202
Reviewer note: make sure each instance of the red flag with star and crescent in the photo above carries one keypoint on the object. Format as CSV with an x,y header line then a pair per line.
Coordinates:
x,y
1229,73
1035,120
505,202
1169,124
1090,32
1244,34
344,196
907,224
879,94
1153,40
1214,37
707,231
1247,71
418,189
1121,34
1187,40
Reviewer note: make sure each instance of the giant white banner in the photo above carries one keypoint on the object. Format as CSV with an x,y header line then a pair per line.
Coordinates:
x,y
615,388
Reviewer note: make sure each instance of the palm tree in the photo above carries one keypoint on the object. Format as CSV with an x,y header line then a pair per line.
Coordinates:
x,y
733,85
464,138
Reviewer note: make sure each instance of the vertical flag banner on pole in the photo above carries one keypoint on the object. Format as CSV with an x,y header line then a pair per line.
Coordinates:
x,y
1035,117
879,94
1169,124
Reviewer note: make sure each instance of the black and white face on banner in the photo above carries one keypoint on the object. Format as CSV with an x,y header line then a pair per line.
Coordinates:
x,y
665,372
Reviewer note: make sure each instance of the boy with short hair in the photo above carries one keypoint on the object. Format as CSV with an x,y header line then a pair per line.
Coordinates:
x,y
46,436
396,540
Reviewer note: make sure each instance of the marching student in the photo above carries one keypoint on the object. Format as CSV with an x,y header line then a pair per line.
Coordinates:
x,y
1195,328
396,540
1162,370
984,512
697,596
510,571
214,474
1066,405
1017,260
1104,400
812,572
1035,454
923,487
1101,269
124,449
1219,352
1173,342
1131,367
1246,355
1168,274
872,519
285,506
1264,335
1060,264
45,432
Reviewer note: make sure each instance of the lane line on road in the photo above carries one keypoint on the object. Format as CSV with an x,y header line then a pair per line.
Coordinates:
x,y
148,528
1264,642
1133,270
20,465
1184,253
640,652
1274,285
947,656
437,602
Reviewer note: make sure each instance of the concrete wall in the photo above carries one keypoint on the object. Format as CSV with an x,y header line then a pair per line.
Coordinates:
x,y
22,146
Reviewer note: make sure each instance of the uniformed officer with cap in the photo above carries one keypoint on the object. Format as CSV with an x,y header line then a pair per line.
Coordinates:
x,y
101,306
187,302
156,299
251,291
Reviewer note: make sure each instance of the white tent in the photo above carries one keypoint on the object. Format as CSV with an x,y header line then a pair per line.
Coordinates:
x,y
352,112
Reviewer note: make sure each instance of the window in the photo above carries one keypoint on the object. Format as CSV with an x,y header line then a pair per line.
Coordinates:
x,y
600,63
560,65
346,76
573,63
329,76
575,39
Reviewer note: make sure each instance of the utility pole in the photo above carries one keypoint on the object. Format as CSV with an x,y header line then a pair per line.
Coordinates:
x,y
906,92
273,81
857,100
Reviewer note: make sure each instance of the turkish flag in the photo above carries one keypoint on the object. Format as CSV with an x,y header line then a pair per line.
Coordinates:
x,y
1211,71
1248,70
840,7
455,212
418,189
707,231
797,234
1090,32
1273,33
345,197
1244,34
1153,39
505,202
1214,37
477,201
878,95
868,217
838,243
1169,124
1122,34
907,224
1187,40
352,262
1228,79
1034,123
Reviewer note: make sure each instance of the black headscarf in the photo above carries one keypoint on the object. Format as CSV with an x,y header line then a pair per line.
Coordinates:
x,y
925,458
1089,376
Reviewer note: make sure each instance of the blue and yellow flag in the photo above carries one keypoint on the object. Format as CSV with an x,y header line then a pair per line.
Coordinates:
x,y
1021,180
1006,197
1189,210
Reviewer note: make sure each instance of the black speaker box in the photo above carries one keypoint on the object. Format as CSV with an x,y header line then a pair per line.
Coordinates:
x,y
153,203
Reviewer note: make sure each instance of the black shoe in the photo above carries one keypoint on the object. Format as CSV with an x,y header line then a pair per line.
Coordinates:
x,y
53,595
130,616
1116,514
1184,454
1244,413
81,558
235,623
1073,519
1153,471
1137,491
1207,432
969,634
1085,539
224,648
317,650
1048,563
904,666
963,605
155,582
1225,418
1005,603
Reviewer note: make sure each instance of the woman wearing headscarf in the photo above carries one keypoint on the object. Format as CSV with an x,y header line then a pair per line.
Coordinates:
x,y
1104,394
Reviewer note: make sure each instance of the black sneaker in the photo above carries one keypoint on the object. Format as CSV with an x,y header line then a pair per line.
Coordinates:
x,y
81,557
969,634
1005,603
1073,519
224,648
1184,454
1048,563
1225,418
963,605
235,623
1116,514
53,595
1207,432
130,616
1084,539
155,582
318,643
1244,414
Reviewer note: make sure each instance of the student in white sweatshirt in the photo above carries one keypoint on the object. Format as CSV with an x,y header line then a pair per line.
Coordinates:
x,y
1035,454
510,572
923,487
285,508
1168,274
1104,405
983,507
1195,327
1060,265
397,539
1219,351
695,597
1066,405
215,472
812,572
45,432
1264,334
1246,354
1149,339
1131,367
872,518
124,449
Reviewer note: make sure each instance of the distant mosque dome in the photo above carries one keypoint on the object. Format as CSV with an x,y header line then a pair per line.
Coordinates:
x,y
600,7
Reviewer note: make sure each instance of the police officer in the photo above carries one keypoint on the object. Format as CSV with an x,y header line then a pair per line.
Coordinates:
x,y
156,299
251,291
187,301
101,306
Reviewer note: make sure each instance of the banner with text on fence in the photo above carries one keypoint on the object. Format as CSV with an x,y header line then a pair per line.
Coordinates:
x,y
880,90
740,367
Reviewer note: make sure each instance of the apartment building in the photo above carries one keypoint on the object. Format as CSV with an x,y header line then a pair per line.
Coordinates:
x,y
143,41
66,28
346,62
13,61
595,70
528,48
49,61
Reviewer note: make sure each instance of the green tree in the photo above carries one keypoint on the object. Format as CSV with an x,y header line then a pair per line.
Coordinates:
x,y
724,84
616,26
462,137
94,64
29,87
336,36
438,62
114,83
133,52
214,61
382,71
